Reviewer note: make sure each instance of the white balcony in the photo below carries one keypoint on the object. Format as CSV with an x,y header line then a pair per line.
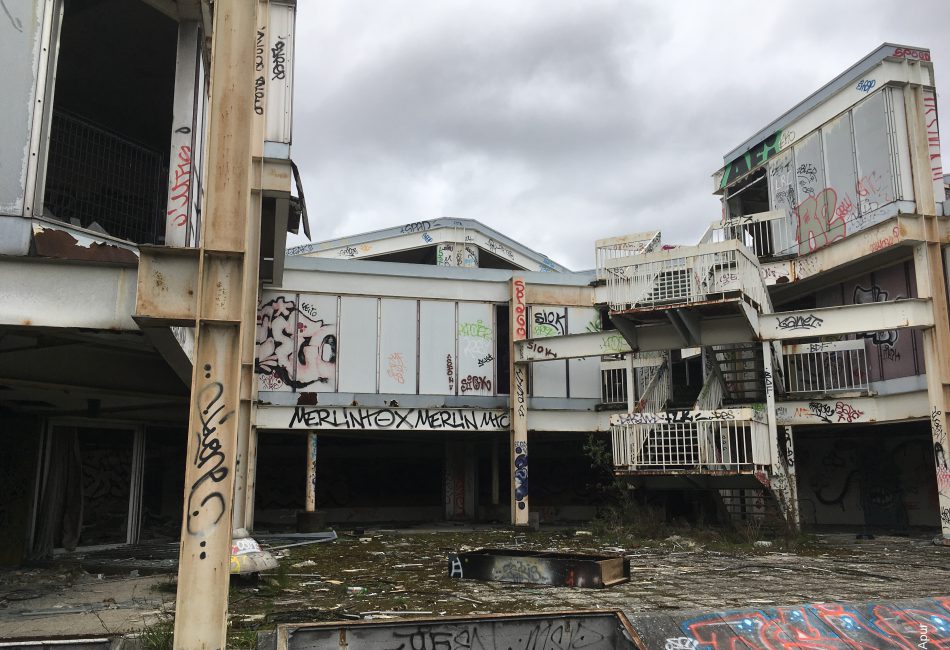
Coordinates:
x,y
726,441
685,276
767,234
614,247
835,366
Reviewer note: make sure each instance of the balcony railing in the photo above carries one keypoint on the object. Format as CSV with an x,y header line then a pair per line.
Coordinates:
x,y
826,367
727,440
685,275
767,234
651,383
614,247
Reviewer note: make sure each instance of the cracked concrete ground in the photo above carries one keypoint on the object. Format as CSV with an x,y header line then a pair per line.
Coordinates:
x,y
402,573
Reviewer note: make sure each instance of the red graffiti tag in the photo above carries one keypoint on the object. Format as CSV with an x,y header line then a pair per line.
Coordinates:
x,y
179,193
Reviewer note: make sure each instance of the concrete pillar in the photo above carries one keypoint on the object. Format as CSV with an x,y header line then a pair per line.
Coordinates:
x,y
311,502
495,482
931,283
520,511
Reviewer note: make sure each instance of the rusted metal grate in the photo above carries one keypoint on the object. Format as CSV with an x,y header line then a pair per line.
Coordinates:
x,y
94,175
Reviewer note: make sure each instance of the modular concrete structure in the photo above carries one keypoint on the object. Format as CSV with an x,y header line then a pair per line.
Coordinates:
x,y
795,358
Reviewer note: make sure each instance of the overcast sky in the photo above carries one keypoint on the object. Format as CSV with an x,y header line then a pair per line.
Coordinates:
x,y
558,123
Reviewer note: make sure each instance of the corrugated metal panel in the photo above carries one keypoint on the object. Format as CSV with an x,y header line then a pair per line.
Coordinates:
x,y
359,333
21,27
437,363
548,378
316,347
280,73
397,341
584,372
275,363
875,186
900,146
476,349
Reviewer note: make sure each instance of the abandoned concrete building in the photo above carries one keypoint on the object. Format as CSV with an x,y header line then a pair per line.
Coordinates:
x,y
793,360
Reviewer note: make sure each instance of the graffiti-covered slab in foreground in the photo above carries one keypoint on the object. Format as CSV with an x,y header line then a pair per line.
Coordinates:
x,y
921,623
554,631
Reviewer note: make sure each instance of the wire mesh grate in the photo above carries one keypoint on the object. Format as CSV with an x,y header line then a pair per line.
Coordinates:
x,y
94,175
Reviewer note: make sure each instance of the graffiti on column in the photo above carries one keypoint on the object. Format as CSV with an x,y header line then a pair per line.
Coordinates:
x,y
207,503
940,460
521,473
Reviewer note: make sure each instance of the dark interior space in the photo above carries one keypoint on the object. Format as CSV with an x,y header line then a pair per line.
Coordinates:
x,y
163,483
880,478
352,472
112,115
106,484
502,336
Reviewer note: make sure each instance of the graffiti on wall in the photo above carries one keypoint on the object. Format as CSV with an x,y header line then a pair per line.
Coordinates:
x,y
751,159
296,347
397,419
886,338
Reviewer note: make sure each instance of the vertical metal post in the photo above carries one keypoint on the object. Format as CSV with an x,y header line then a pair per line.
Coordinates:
x,y
519,409
631,384
179,216
311,505
782,484
931,283
204,560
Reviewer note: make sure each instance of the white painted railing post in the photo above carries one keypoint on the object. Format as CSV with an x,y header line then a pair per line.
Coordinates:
x,y
782,482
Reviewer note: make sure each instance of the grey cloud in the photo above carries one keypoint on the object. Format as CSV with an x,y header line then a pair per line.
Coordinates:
x,y
558,123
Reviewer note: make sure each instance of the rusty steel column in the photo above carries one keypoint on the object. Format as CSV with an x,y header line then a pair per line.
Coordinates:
x,y
931,283
204,560
519,409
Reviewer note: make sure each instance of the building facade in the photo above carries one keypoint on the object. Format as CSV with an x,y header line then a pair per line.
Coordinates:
x,y
792,361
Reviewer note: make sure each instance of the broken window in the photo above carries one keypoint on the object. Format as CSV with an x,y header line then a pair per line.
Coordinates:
x,y
111,119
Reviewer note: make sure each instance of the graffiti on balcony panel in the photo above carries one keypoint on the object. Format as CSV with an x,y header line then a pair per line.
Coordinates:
x,y
800,322
398,419
474,383
831,413
397,367
296,346
674,417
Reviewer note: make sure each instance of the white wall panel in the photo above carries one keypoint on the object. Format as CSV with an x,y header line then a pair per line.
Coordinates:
x,y
548,378
476,348
316,343
875,185
397,342
438,372
358,344
21,26
584,372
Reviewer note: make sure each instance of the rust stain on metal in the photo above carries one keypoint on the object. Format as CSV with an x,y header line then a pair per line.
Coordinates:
x,y
59,244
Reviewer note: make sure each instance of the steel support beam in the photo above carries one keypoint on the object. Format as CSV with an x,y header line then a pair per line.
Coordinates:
x,y
931,279
846,319
220,284
853,410
54,294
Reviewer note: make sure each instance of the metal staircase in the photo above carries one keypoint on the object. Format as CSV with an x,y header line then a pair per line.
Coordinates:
x,y
727,442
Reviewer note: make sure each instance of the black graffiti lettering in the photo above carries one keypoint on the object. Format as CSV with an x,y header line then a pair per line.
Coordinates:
x,y
278,71
206,504
808,322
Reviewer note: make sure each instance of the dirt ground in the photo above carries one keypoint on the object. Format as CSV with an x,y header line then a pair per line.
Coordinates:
x,y
379,574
